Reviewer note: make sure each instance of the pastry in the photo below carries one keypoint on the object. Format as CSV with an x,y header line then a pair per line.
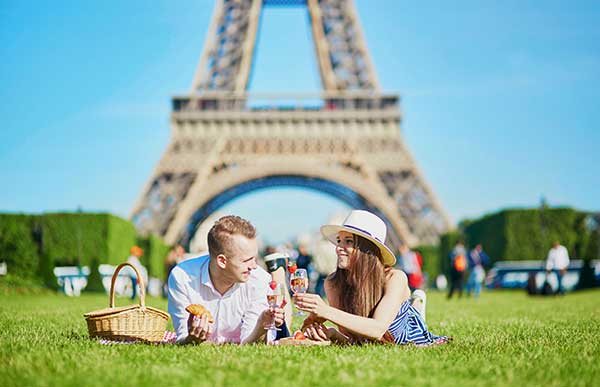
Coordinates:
x,y
199,310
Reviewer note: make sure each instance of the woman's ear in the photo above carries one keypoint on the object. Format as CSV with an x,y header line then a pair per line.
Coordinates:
x,y
221,261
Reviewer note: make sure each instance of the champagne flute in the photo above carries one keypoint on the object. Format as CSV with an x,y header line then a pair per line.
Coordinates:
x,y
274,299
299,284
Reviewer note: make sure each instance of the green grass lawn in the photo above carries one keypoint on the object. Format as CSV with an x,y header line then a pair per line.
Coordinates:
x,y
505,338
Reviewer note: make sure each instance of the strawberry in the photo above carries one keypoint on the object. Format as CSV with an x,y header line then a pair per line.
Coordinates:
x,y
273,285
292,269
298,335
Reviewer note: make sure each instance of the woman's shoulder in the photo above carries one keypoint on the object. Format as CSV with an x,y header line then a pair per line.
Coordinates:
x,y
395,276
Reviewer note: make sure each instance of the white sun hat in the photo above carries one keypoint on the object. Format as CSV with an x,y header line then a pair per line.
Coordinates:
x,y
368,226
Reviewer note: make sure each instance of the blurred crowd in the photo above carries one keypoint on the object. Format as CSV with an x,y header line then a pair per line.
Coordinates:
x,y
466,267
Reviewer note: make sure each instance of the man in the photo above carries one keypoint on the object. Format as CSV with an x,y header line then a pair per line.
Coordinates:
x,y
230,285
477,260
458,265
304,259
558,261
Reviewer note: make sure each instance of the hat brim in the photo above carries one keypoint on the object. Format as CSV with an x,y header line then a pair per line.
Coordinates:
x,y
330,232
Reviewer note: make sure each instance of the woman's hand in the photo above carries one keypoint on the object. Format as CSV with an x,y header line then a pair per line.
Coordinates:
x,y
312,303
316,331
319,332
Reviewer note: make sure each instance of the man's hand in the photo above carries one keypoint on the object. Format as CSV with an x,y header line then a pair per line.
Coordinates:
x,y
268,315
199,329
263,321
279,277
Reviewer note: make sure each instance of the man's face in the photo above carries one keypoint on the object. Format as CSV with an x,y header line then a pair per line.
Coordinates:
x,y
241,259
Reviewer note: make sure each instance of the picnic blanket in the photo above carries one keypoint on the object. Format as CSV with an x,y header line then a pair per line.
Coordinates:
x,y
169,337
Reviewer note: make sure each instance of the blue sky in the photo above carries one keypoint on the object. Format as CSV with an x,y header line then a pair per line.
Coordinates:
x,y
500,100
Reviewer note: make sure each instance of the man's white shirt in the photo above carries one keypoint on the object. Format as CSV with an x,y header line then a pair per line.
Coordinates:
x,y
558,258
235,313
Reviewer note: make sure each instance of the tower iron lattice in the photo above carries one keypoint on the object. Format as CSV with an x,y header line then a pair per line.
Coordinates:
x,y
226,142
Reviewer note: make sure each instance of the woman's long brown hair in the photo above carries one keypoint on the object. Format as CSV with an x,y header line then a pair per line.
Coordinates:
x,y
360,286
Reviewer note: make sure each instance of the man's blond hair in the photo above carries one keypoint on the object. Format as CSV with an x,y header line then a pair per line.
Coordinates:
x,y
220,235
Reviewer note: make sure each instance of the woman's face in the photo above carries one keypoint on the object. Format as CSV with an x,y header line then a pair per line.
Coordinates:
x,y
344,249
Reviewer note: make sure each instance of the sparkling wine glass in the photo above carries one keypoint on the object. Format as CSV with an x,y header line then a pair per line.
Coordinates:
x,y
299,284
274,299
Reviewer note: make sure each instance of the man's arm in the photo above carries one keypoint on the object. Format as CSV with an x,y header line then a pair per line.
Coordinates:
x,y
258,333
258,315
178,300
279,277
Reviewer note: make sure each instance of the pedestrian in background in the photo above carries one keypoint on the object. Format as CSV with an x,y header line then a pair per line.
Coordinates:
x,y
411,263
558,262
135,253
477,260
304,259
458,266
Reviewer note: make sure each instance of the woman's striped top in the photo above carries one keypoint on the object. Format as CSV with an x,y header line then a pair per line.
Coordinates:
x,y
409,327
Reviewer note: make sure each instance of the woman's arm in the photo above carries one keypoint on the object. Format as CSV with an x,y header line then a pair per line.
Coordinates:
x,y
395,293
313,326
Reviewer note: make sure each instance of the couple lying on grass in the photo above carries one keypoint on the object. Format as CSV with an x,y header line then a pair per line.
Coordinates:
x,y
369,301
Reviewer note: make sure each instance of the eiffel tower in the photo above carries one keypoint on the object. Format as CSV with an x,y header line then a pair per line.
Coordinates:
x,y
346,141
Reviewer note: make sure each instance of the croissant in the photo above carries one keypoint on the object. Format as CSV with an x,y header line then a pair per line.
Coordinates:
x,y
199,310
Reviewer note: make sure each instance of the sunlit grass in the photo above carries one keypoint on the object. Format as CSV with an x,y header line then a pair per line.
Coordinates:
x,y
505,338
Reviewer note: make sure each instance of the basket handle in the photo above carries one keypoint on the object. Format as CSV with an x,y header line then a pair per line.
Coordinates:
x,y
114,279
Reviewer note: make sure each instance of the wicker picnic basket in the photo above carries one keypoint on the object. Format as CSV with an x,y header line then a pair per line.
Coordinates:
x,y
127,323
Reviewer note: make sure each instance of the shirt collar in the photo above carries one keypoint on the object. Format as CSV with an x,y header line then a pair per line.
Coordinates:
x,y
206,281
205,275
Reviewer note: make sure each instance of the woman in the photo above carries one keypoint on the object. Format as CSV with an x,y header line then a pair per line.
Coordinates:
x,y
368,300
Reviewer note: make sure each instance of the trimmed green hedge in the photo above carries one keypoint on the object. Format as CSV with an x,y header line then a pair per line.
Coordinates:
x,y
17,245
32,245
524,234
155,253
78,239
121,237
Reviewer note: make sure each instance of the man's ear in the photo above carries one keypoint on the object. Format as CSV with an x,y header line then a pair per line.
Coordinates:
x,y
221,261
